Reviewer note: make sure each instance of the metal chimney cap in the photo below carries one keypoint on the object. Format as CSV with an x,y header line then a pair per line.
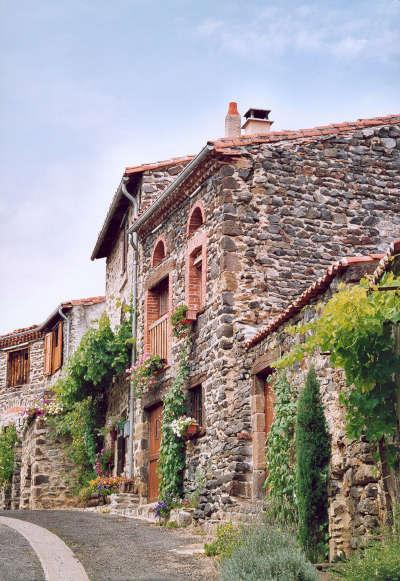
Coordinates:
x,y
254,113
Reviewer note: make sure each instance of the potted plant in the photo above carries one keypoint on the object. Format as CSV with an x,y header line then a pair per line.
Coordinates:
x,y
181,322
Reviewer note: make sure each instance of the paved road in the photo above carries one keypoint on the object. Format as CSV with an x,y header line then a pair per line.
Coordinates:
x,y
110,548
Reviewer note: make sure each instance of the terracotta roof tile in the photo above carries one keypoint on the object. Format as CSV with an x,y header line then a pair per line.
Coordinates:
x,y
84,302
19,336
321,130
157,165
318,287
385,261
34,332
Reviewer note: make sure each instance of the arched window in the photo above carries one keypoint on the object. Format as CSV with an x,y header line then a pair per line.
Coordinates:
x,y
159,253
196,219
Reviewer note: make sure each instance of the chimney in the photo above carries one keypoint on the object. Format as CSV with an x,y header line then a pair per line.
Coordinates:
x,y
232,121
257,121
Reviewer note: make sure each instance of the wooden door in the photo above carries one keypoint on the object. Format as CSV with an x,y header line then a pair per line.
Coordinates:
x,y
269,401
155,419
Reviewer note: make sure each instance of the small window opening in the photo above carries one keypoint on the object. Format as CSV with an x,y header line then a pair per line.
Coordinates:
x,y
195,221
159,253
196,404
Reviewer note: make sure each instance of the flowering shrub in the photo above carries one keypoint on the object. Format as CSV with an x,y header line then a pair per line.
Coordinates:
x,y
180,425
104,486
142,373
44,407
180,324
104,462
162,509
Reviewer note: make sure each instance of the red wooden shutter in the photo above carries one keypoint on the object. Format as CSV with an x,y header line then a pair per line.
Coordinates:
x,y
57,347
48,348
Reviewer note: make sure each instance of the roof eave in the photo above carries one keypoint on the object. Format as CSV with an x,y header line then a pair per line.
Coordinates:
x,y
203,153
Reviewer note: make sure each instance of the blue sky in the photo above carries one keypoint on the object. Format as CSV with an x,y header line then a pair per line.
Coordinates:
x,y
89,86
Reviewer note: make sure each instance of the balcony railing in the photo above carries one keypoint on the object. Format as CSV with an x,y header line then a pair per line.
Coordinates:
x,y
159,337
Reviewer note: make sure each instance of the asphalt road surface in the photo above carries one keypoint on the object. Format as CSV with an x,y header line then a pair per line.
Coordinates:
x,y
110,548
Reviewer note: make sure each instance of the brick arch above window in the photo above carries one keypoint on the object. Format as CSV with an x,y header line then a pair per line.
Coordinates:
x,y
159,252
196,218
196,272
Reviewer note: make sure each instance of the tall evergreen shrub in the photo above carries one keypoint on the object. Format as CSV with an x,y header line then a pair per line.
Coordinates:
x,y
312,461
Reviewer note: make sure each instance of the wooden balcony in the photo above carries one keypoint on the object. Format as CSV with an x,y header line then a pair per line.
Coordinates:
x,y
158,332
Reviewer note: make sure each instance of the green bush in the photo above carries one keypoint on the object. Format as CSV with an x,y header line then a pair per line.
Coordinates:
x,y
8,439
379,561
312,462
267,554
227,539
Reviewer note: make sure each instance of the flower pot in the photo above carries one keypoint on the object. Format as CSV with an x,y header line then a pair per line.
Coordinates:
x,y
191,431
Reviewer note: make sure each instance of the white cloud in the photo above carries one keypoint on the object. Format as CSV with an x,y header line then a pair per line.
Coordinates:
x,y
369,30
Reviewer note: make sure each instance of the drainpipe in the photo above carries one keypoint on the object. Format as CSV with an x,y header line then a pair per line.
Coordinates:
x,y
133,241
68,321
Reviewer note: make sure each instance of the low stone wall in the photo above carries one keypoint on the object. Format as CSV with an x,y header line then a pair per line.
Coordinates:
x,y
47,475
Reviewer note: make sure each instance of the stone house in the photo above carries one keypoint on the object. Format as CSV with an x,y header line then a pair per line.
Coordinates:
x,y
236,233
356,492
31,360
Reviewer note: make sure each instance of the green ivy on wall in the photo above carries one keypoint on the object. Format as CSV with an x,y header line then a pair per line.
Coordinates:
x,y
8,440
81,392
359,327
281,453
172,449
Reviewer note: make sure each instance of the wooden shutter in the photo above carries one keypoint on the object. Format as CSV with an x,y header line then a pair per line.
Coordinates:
x,y
57,347
48,349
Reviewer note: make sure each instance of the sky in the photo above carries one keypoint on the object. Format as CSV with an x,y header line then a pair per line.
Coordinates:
x,y
90,86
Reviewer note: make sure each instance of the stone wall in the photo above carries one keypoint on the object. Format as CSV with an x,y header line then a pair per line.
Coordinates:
x,y
275,217
355,488
47,475
22,395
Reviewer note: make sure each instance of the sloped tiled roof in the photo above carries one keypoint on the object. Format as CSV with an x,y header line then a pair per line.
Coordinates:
x,y
19,336
120,203
226,143
83,302
317,288
157,165
34,332
386,260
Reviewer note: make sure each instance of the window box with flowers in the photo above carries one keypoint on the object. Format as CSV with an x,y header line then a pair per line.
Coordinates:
x,y
143,374
181,320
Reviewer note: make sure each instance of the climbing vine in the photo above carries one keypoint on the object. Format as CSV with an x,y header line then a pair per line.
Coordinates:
x,y
356,327
172,450
8,439
281,453
101,354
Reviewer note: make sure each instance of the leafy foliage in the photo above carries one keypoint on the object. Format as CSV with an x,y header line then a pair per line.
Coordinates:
x,y
267,553
179,322
379,561
281,454
143,372
312,461
172,449
227,538
8,439
101,354
356,327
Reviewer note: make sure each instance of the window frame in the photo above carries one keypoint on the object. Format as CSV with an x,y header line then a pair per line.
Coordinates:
x,y
26,376
196,389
